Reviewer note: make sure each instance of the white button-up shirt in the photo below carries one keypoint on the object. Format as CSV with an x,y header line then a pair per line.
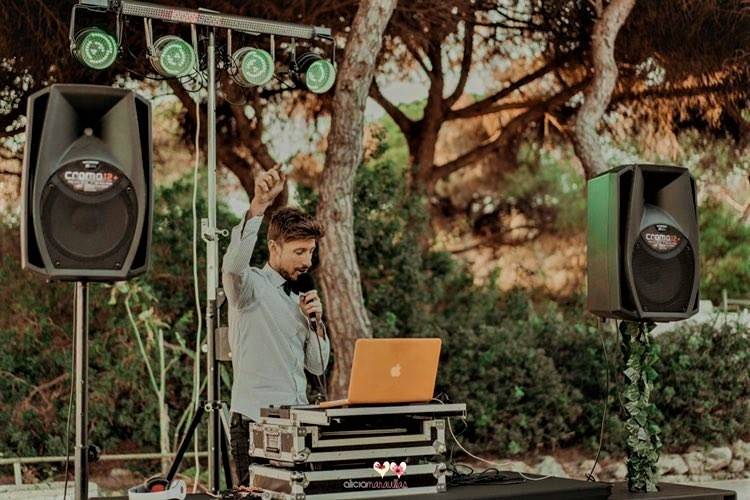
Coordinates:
x,y
268,334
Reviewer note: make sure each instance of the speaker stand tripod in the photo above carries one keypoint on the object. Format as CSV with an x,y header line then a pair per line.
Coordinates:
x,y
212,408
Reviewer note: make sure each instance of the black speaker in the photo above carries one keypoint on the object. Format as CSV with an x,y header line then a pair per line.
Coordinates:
x,y
643,257
87,185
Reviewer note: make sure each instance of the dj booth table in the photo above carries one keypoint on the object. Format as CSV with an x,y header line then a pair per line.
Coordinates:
x,y
555,488
304,440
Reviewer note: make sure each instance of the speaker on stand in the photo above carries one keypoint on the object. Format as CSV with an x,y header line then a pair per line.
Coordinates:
x,y
643,267
87,205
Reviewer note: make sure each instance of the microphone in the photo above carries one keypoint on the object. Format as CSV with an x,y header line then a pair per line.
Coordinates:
x,y
306,284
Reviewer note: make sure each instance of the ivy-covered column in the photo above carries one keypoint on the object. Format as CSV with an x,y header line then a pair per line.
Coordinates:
x,y
642,433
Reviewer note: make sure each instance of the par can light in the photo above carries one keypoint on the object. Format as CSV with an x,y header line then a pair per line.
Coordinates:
x,y
173,56
95,48
315,73
254,66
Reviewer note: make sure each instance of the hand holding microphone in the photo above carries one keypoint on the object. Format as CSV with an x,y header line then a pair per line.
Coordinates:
x,y
309,300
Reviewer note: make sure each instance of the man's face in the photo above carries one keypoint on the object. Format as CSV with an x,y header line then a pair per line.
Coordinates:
x,y
291,258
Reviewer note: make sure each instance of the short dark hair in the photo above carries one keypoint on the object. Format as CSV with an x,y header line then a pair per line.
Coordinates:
x,y
289,224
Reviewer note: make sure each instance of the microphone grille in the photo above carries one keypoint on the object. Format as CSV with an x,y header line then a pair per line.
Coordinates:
x,y
305,283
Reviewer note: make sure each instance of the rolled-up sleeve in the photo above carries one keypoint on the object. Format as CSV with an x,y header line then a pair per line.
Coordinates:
x,y
236,263
317,354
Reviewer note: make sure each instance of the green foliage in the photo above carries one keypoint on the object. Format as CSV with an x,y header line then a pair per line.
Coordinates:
x,y
515,395
36,334
703,387
642,434
725,253
547,182
577,346
489,359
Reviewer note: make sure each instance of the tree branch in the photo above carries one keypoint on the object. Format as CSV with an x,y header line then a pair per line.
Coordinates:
x,y
480,107
598,95
186,100
434,55
465,65
514,127
505,106
405,124
11,133
418,57
238,166
670,92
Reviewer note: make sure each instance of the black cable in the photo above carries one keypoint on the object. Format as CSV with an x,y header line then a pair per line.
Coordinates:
x,y
320,352
324,384
590,475
245,96
491,475
285,85
487,476
70,406
617,386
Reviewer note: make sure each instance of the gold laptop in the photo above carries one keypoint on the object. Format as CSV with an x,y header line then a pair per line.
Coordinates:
x,y
391,371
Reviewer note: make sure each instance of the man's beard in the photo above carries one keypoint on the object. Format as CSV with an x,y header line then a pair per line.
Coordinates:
x,y
288,276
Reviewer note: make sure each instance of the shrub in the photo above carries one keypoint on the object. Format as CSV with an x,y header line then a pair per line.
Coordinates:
x,y
725,253
703,389
516,398
36,334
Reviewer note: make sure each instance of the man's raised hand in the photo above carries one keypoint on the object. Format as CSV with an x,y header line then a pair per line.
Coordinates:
x,y
268,185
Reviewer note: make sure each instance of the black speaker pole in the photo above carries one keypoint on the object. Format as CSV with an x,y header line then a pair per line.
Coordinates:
x,y
212,256
81,333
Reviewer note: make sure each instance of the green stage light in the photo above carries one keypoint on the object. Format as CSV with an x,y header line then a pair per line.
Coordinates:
x,y
173,56
95,48
254,66
315,73
320,76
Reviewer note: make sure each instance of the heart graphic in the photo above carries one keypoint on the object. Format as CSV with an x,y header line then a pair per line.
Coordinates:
x,y
382,469
398,469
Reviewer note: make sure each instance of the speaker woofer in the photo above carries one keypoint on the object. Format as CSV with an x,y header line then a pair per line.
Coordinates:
x,y
663,283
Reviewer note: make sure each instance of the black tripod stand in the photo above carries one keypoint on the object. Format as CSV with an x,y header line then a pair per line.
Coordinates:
x,y
205,406
218,424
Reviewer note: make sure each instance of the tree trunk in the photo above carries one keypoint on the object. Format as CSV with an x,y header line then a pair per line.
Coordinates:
x,y
339,271
599,93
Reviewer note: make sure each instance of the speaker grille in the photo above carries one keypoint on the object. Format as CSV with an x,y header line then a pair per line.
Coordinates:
x,y
86,232
663,283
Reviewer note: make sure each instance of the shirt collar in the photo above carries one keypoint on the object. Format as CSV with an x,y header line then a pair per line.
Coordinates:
x,y
276,279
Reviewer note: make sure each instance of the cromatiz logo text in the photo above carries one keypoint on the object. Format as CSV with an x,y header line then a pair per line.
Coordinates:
x,y
663,238
73,175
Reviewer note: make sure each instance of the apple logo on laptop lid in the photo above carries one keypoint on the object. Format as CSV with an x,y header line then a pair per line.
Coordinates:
x,y
396,370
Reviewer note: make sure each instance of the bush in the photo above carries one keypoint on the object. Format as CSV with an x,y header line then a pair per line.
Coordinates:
x,y
516,398
703,389
36,334
725,253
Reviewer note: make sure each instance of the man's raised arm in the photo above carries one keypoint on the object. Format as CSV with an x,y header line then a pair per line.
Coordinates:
x,y
236,263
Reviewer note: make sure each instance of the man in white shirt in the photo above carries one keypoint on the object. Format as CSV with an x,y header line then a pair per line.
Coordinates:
x,y
269,334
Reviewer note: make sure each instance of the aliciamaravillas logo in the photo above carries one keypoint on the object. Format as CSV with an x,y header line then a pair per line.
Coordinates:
x,y
382,469
368,484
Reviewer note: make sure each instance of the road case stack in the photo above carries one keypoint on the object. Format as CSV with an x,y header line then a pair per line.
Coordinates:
x,y
312,453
